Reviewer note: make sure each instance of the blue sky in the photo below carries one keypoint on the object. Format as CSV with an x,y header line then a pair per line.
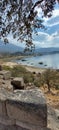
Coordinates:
x,y
48,37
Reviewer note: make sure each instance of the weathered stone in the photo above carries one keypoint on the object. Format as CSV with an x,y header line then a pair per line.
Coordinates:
x,y
7,121
29,126
7,85
23,110
28,106
21,128
5,74
3,107
3,97
1,76
18,83
8,127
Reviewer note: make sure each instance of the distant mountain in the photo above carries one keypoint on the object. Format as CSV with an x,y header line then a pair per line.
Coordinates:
x,y
47,50
9,48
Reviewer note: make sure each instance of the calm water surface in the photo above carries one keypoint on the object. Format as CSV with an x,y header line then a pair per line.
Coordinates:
x,y
47,61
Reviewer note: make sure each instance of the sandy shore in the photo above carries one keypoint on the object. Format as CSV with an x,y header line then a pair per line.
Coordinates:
x,y
29,68
35,69
10,64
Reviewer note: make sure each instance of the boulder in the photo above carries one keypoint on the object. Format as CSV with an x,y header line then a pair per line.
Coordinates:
x,y
5,74
18,83
6,84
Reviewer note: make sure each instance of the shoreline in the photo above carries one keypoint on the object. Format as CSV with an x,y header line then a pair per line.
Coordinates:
x,y
29,68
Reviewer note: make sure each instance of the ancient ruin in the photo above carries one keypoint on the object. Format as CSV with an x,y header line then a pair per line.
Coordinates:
x,y
21,109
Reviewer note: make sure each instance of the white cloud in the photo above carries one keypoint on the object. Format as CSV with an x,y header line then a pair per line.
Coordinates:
x,y
47,40
44,39
39,12
55,13
42,33
47,21
56,34
14,41
54,20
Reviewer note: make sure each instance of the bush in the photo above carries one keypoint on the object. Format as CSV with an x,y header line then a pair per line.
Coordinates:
x,y
18,71
6,68
28,77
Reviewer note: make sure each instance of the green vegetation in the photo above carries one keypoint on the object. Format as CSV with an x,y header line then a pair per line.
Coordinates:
x,y
20,71
6,68
22,19
49,77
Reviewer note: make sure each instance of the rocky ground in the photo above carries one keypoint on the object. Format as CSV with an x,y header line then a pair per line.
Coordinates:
x,y
53,118
52,99
52,108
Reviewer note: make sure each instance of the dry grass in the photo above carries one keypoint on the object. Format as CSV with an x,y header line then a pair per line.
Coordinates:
x,y
52,98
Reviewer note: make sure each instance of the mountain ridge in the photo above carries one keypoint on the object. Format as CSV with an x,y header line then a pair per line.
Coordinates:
x,y
9,48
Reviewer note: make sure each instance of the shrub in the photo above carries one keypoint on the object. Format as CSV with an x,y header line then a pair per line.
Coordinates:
x,y
6,68
18,71
28,77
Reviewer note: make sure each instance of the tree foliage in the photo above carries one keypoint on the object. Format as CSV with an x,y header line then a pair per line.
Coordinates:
x,y
19,17
51,78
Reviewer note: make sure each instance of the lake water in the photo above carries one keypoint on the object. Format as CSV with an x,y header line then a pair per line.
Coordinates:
x,y
44,61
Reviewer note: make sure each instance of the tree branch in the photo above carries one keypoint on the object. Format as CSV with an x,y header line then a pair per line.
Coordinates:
x,y
37,3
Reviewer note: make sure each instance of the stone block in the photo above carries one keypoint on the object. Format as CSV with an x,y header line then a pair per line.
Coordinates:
x,y
8,127
6,74
4,94
21,128
6,84
3,111
18,83
28,106
7,121
28,126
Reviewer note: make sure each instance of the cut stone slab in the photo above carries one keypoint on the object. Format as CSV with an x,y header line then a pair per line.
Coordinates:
x,y
28,106
7,121
18,83
2,104
3,97
3,108
4,127
29,126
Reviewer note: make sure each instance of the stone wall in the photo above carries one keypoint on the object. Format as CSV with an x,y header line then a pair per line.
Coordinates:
x,y
23,110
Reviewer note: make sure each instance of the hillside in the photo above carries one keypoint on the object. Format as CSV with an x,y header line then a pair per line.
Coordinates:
x,y
9,48
47,50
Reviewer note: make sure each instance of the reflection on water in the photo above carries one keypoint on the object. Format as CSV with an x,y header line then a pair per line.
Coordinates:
x,y
44,61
